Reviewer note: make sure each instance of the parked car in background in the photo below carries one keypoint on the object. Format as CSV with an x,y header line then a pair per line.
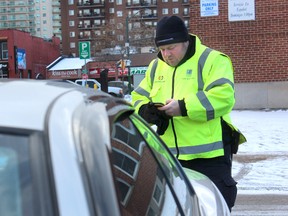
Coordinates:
x,y
121,84
92,83
68,150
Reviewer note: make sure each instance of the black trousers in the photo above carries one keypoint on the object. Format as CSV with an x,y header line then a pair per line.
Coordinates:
x,y
219,169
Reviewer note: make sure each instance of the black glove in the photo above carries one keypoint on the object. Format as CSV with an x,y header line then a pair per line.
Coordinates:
x,y
162,123
152,115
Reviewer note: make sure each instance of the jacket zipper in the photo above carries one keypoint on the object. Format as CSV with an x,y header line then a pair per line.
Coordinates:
x,y
172,122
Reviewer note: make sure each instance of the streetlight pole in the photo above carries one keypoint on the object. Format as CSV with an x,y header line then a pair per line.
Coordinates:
x,y
127,46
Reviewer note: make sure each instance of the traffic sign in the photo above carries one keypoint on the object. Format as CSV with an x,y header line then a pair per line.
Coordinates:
x,y
85,76
84,50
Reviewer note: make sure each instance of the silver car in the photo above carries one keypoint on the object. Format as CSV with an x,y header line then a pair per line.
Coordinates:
x,y
71,151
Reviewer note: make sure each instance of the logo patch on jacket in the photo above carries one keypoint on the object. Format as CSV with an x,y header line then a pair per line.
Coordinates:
x,y
160,78
189,73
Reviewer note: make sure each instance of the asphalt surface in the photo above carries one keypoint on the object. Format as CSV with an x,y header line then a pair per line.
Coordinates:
x,y
261,205
258,204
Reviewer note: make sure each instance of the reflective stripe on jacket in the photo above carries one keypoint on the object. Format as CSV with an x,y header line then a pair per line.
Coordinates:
x,y
205,82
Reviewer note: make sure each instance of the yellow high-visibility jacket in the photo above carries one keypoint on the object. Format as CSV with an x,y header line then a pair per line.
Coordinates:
x,y
206,83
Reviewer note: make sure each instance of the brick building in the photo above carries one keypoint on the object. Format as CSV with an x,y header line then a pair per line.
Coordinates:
x,y
26,56
257,48
108,24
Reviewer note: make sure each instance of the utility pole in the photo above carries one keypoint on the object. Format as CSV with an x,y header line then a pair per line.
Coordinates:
x,y
127,46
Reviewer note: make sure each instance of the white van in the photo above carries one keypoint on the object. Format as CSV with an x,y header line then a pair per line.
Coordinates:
x,y
92,83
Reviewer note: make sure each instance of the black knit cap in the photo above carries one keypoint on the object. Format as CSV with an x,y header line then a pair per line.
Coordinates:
x,y
170,30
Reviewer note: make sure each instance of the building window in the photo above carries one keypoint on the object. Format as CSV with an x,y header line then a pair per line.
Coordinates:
x,y
120,37
87,34
97,32
97,22
111,10
164,0
71,23
4,50
137,25
175,10
125,189
118,2
96,12
119,13
71,2
125,163
186,22
86,12
71,12
165,11
87,24
186,11
174,0
72,45
72,34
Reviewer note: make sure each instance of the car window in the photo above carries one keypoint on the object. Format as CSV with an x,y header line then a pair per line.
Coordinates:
x,y
18,183
145,178
15,176
180,183
88,83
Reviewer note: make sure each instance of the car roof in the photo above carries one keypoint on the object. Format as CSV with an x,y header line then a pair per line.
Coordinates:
x,y
29,100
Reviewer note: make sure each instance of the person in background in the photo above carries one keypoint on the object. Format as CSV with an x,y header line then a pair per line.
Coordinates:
x,y
195,84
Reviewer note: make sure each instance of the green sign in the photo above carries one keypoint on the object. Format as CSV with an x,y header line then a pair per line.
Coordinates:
x,y
84,50
138,70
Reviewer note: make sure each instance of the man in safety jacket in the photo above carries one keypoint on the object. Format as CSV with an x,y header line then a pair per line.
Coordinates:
x,y
195,84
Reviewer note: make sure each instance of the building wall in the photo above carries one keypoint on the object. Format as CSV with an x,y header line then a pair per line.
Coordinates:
x,y
113,13
262,95
257,48
56,18
30,16
39,53
22,13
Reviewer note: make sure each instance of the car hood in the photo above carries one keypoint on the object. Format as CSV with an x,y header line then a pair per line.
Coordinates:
x,y
210,199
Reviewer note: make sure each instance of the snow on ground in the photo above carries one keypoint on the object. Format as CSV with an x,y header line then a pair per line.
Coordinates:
x,y
260,165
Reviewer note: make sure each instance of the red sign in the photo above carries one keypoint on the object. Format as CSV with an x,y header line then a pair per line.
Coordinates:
x,y
84,76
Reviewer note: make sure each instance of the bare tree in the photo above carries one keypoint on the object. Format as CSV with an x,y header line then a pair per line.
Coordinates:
x,y
114,34
141,34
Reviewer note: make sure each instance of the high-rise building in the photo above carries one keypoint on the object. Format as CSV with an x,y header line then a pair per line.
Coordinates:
x,y
112,25
34,16
56,18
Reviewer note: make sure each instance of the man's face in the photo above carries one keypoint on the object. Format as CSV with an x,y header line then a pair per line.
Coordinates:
x,y
174,53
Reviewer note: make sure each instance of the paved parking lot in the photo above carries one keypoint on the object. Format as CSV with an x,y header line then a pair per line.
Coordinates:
x,y
264,199
261,205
